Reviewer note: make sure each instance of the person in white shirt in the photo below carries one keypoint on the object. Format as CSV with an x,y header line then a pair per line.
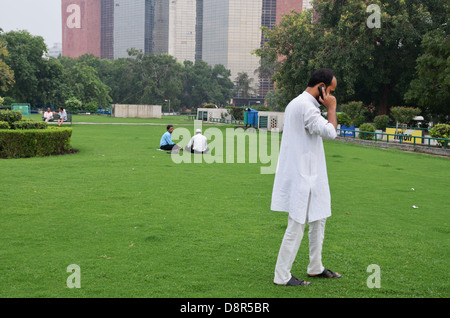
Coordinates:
x,y
62,116
301,183
48,115
198,143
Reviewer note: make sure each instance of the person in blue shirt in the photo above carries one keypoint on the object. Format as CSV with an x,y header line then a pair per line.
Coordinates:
x,y
166,142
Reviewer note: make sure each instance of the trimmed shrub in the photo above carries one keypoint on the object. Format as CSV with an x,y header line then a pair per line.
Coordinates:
x,y
10,116
381,121
28,124
441,131
34,143
366,128
4,125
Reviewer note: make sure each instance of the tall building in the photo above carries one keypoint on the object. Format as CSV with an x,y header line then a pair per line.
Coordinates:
x,y
81,27
107,29
286,6
268,20
182,29
199,30
231,31
129,27
216,31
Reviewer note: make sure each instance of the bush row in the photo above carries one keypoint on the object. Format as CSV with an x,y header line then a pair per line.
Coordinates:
x,y
10,116
23,124
34,143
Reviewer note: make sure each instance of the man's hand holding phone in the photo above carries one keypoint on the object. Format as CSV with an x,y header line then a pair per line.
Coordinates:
x,y
330,102
327,100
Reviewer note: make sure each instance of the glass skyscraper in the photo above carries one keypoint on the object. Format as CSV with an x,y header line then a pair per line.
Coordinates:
x,y
231,31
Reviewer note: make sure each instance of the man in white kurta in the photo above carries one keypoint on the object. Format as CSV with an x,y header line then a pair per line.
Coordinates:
x,y
301,182
198,143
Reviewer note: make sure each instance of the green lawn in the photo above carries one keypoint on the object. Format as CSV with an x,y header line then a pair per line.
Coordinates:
x,y
139,225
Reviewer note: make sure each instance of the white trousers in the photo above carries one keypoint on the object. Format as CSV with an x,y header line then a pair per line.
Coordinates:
x,y
290,245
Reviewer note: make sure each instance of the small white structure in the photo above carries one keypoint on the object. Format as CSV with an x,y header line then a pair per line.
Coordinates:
x,y
136,111
206,114
272,121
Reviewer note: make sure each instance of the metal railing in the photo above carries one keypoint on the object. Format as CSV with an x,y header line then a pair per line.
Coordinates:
x,y
401,138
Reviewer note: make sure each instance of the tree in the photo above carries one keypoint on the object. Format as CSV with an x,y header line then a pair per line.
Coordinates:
x,y
355,112
86,86
6,74
205,84
293,46
273,99
223,91
373,65
152,78
73,104
243,86
403,115
25,58
52,84
430,88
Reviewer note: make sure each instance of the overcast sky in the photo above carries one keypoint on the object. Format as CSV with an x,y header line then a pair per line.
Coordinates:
x,y
39,17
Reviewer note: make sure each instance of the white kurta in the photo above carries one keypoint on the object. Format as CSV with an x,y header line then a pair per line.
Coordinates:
x,y
301,168
199,142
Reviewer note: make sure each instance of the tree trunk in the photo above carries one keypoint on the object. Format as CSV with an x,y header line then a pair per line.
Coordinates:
x,y
383,101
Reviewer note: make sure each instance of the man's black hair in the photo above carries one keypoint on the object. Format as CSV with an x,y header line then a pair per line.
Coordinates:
x,y
168,126
323,75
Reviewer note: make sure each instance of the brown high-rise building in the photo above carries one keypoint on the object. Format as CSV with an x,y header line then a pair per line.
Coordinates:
x,y
285,7
81,27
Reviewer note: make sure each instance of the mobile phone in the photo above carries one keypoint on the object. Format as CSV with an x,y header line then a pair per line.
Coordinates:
x,y
321,88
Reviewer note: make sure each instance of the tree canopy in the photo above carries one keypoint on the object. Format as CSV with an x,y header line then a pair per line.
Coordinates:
x,y
27,74
373,64
6,74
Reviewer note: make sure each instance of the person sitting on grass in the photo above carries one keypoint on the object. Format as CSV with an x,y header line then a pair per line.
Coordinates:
x,y
166,142
198,143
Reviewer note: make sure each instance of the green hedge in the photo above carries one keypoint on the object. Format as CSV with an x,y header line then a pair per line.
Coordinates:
x,y
28,124
10,116
35,143
4,125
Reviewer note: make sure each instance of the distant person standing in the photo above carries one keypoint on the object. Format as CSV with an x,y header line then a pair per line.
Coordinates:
x,y
166,142
301,182
198,143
